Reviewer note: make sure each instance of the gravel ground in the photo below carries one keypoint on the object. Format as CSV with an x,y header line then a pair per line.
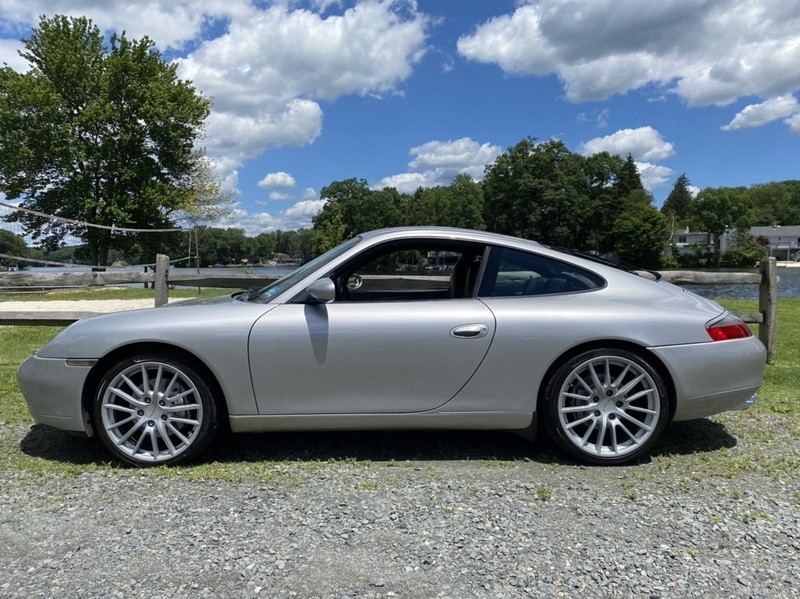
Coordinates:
x,y
447,526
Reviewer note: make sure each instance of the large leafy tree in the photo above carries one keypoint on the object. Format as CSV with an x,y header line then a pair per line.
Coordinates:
x,y
715,210
351,207
543,192
642,235
96,131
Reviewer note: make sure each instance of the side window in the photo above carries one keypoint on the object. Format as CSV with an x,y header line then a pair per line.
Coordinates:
x,y
412,272
514,273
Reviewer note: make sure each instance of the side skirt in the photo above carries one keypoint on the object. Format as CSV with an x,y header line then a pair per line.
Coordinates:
x,y
512,421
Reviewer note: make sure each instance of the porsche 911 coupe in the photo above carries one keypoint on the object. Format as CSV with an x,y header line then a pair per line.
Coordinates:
x,y
408,328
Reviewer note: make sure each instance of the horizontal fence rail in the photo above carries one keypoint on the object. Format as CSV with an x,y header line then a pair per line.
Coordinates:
x,y
766,279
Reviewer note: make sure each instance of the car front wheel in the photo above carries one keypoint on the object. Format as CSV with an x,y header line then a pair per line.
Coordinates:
x,y
606,406
154,410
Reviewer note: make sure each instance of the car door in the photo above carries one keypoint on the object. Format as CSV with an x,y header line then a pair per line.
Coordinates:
x,y
390,351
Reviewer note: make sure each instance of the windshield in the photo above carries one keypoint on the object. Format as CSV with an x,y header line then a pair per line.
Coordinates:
x,y
265,294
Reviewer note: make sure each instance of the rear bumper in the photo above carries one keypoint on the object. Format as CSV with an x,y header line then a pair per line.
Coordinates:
x,y
53,392
714,377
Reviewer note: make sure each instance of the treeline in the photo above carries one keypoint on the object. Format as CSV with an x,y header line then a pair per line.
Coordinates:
x,y
540,191
731,210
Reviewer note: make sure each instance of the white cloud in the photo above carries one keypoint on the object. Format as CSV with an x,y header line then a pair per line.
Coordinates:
x,y
298,216
169,23
693,190
9,55
794,123
653,175
304,210
706,52
309,193
279,180
756,115
408,182
644,143
263,72
438,162
279,196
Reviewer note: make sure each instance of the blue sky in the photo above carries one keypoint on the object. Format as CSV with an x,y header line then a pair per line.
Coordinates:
x,y
407,93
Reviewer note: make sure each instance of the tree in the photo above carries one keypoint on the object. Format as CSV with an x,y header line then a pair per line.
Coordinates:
x,y
628,179
351,207
678,204
96,132
12,245
715,210
642,235
539,191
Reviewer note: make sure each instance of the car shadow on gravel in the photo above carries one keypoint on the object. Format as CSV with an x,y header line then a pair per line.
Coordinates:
x,y
682,438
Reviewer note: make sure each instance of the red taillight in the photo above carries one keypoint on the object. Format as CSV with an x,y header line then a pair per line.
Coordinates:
x,y
727,328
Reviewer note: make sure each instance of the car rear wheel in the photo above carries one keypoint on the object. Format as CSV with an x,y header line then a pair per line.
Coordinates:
x,y
606,406
154,410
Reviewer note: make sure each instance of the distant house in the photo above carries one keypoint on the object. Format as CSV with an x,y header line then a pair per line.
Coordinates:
x,y
784,242
685,241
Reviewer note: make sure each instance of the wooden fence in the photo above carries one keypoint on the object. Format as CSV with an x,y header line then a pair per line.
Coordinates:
x,y
766,279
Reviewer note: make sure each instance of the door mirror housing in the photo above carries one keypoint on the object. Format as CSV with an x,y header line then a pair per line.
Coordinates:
x,y
322,291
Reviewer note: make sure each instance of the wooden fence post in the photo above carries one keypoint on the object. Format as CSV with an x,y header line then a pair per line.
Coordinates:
x,y
161,287
767,305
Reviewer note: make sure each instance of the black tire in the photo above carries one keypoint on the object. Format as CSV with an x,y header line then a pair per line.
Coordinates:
x,y
154,410
606,407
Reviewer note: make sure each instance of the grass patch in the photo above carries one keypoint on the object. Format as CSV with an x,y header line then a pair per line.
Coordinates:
x,y
781,390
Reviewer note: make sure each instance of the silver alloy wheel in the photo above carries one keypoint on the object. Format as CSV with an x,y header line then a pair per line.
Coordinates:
x,y
152,411
609,406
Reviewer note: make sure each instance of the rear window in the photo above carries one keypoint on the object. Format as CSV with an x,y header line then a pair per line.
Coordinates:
x,y
512,272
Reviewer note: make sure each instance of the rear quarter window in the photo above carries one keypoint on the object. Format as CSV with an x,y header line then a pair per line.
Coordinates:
x,y
512,273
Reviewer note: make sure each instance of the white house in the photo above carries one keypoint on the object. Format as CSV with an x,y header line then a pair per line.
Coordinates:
x,y
784,242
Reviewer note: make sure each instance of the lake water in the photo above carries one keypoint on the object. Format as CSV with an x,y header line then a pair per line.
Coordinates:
x,y
788,286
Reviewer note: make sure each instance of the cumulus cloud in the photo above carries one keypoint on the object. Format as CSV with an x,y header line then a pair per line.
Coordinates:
x,y
794,123
169,23
298,216
644,144
654,175
706,52
756,115
309,193
438,162
304,210
264,71
279,180
279,196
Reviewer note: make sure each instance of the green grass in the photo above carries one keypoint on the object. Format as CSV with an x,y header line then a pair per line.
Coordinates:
x,y
781,390
763,439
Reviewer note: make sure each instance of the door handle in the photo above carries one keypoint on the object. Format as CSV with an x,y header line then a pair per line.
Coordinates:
x,y
470,331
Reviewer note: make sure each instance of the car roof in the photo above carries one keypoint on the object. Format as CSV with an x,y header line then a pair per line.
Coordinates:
x,y
449,233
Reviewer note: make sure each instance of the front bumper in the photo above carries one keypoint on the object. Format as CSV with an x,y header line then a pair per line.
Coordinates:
x,y
53,391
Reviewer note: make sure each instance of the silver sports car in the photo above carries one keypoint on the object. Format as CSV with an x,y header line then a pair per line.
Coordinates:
x,y
417,328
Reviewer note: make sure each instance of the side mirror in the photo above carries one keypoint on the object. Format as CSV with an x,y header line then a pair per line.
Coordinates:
x,y
322,291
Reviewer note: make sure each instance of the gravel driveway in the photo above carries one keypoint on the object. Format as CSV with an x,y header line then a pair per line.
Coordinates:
x,y
393,515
